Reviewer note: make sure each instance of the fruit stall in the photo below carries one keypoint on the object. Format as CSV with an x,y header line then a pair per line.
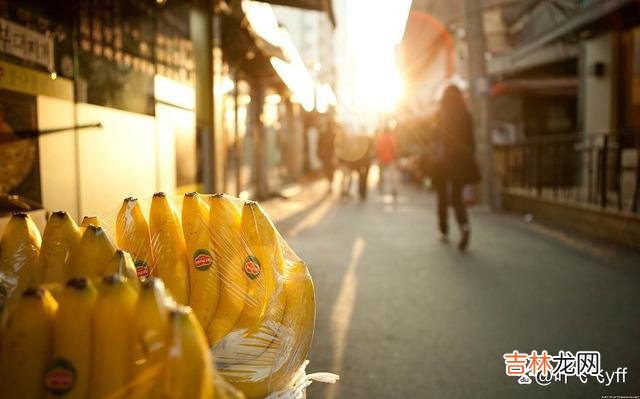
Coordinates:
x,y
196,296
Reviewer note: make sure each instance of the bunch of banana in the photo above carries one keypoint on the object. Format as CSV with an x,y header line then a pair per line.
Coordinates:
x,y
132,235
274,368
19,257
169,248
224,258
106,342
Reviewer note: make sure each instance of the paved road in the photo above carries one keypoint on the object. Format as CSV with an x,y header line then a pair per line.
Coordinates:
x,y
403,315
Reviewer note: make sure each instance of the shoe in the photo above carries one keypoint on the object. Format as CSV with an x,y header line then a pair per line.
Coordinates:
x,y
464,240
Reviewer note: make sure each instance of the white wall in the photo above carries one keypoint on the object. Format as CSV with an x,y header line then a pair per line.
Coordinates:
x,y
598,94
57,156
116,161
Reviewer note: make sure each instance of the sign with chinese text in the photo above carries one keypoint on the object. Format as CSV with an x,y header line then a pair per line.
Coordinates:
x,y
26,44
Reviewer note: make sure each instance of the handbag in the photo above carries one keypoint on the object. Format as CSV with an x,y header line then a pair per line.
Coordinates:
x,y
469,194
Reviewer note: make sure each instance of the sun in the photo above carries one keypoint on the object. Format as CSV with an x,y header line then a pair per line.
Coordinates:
x,y
376,30
378,85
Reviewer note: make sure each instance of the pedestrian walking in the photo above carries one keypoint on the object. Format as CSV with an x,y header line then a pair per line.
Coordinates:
x,y
327,153
386,154
355,154
454,164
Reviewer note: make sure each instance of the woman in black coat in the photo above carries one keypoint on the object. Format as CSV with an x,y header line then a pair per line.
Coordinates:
x,y
454,161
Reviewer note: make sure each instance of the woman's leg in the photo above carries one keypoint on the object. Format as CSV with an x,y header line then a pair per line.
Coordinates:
x,y
461,213
394,178
441,191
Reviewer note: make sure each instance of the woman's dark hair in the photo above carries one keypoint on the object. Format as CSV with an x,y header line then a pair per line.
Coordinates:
x,y
452,99
454,118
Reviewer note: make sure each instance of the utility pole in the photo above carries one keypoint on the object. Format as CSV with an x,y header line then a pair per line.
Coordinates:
x,y
201,26
479,89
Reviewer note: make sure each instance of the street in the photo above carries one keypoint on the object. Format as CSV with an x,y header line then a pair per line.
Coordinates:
x,y
401,314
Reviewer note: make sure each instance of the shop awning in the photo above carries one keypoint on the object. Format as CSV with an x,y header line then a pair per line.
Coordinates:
x,y
510,64
317,5
583,20
253,41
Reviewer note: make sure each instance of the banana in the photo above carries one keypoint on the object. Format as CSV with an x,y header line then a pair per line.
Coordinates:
x,y
60,236
169,248
70,370
122,264
92,254
150,339
284,358
19,252
91,220
262,267
189,368
203,267
26,345
224,222
112,360
132,235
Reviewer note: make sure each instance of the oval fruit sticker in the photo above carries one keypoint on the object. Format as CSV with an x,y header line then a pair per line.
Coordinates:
x,y
60,378
251,267
202,259
142,270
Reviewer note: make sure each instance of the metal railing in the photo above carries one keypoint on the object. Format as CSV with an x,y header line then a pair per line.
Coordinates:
x,y
599,169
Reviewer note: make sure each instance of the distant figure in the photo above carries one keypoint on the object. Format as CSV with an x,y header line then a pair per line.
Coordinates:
x,y
327,154
386,154
355,154
453,149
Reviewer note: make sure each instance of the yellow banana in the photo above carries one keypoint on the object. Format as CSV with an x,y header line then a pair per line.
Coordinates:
x,y
92,254
203,267
230,253
90,221
150,335
19,251
284,358
60,236
262,266
55,289
188,371
112,360
26,345
169,248
122,264
132,235
70,370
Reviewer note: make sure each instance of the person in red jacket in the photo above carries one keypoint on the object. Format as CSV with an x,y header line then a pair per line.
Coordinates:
x,y
386,152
